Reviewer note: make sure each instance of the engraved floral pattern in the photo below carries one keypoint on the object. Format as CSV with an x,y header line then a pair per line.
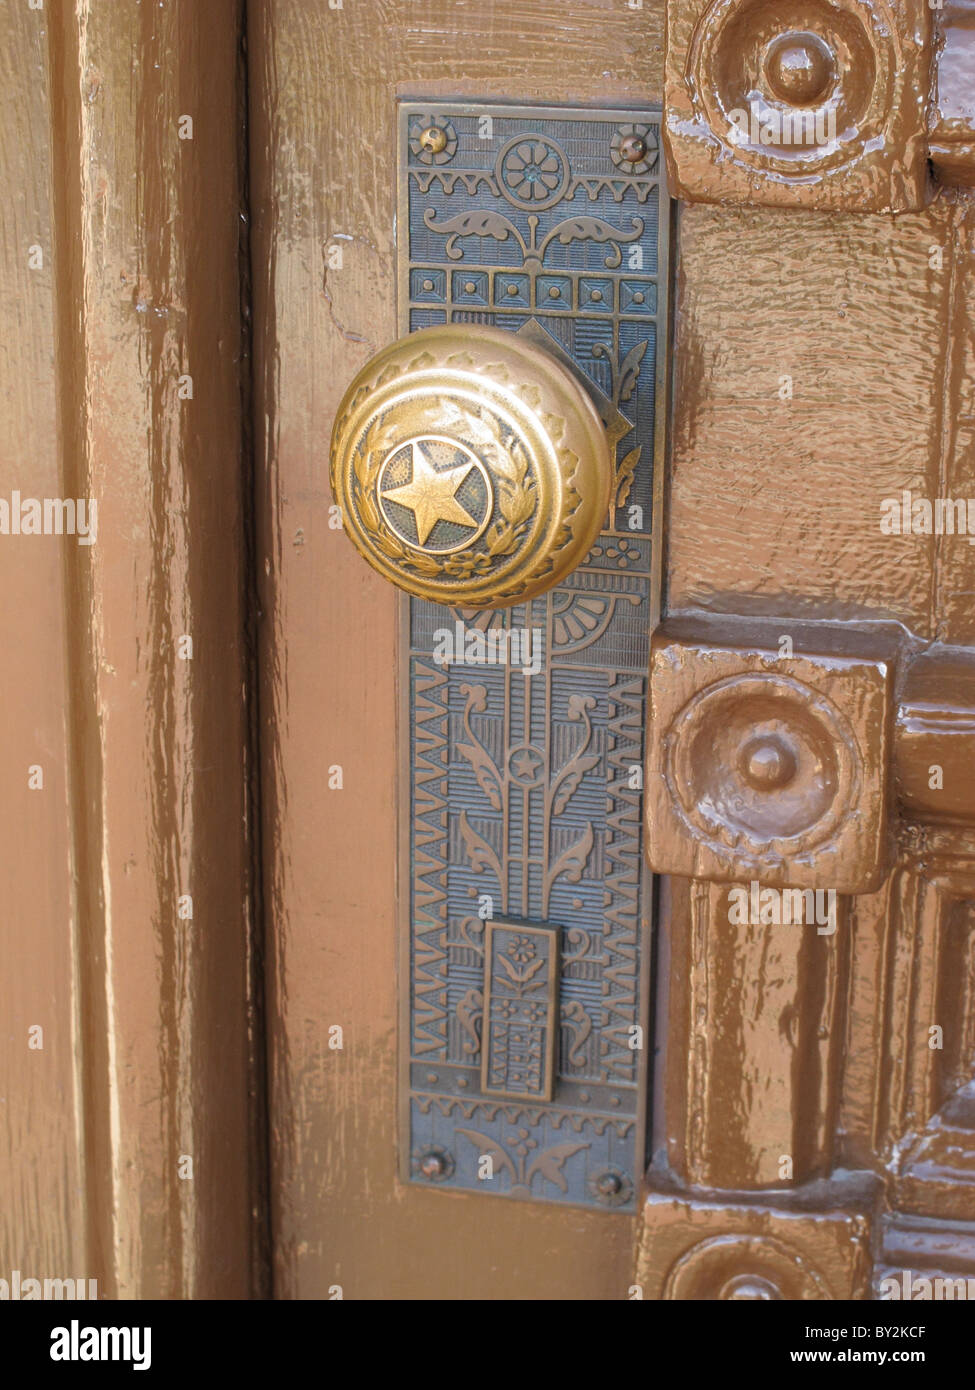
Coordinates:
x,y
496,754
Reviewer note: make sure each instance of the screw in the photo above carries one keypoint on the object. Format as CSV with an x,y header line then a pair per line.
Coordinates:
x,y
750,1286
768,763
800,68
434,139
433,1166
633,148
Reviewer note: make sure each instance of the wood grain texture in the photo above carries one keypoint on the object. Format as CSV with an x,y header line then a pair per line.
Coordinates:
x,y
147,1057
756,1021
775,504
324,83
42,1210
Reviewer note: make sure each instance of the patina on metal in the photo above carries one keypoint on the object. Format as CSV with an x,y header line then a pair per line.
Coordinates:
x,y
525,965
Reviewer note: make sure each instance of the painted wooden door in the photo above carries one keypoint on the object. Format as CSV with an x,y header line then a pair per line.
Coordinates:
x,y
805,975
605,937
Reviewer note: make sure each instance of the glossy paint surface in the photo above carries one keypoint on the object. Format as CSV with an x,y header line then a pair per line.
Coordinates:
x,y
952,142
821,364
146,1057
325,83
776,498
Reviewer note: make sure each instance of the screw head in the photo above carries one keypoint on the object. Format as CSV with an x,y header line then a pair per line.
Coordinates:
x,y
799,68
433,1166
633,148
750,1286
434,139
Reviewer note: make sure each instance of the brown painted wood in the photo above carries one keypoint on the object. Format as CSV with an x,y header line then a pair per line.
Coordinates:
x,y
771,1049
952,138
322,168
146,1015
44,1224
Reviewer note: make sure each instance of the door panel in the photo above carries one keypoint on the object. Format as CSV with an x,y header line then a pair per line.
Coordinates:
x,y
331,631
219,713
802,1120
129,1143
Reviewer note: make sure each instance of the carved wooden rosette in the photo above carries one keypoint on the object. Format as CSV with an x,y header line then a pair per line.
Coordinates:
x,y
819,1070
766,764
805,103
710,1251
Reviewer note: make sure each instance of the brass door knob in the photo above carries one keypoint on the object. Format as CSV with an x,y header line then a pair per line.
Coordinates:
x,y
470,467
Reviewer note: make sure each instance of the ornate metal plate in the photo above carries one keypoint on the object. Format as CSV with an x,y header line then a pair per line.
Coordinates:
x,y
526,951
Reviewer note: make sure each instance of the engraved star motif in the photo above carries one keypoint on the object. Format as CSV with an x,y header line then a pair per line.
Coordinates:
x,y
525,765
430,494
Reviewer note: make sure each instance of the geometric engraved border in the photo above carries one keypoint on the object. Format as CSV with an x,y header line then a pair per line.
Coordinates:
x,y
522,836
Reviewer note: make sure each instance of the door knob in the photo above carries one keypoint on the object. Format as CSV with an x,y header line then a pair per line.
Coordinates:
x,y
470,467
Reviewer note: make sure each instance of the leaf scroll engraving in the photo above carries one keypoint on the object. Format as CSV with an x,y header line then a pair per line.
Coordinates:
x,y
594,229
496,225
518,1161
537,764
479,223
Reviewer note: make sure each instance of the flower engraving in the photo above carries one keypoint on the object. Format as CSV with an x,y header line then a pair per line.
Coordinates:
x,y
532,172
513,1159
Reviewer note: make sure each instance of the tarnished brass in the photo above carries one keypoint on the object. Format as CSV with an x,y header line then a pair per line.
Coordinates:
x,y
520,1029
805,1128
434,139
471,468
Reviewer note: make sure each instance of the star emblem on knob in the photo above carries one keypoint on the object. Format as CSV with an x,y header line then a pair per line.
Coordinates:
x,y
471,467
445,502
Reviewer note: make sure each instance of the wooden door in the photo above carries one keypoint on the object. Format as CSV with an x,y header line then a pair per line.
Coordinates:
x,y
129,1148
808,713
599,931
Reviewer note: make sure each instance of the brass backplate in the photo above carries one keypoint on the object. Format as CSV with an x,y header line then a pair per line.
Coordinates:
x,y
528,912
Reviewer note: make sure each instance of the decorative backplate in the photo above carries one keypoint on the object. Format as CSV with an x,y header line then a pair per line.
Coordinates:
x,y
526,951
